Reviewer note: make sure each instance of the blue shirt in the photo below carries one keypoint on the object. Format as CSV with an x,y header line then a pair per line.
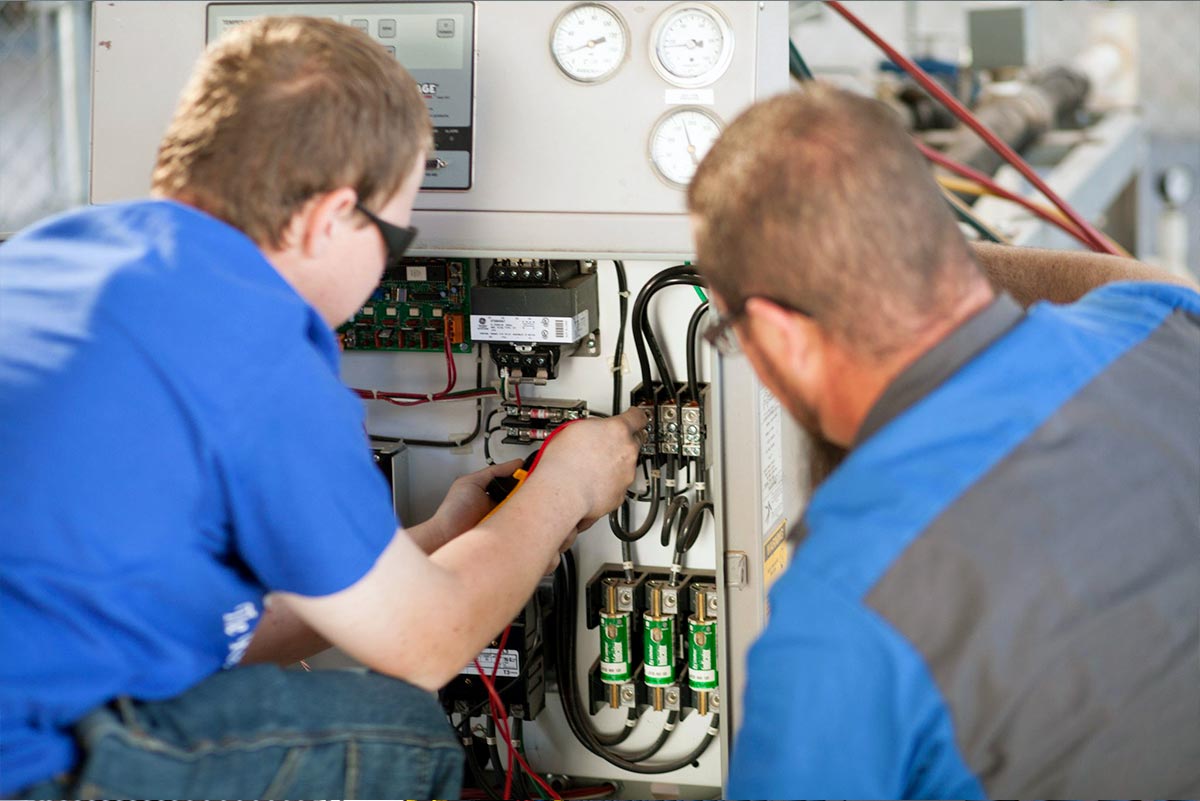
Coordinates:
x,y
997,591
174,442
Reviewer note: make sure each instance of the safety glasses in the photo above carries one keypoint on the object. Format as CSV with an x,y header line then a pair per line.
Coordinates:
x,y
396,238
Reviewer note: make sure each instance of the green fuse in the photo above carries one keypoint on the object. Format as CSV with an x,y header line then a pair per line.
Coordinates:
x,y
615,662
659,654
702,655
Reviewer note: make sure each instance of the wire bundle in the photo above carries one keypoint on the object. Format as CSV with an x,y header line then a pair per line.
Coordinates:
x,y
1077,227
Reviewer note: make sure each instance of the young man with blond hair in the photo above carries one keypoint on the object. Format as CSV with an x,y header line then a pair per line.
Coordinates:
x,y
177,444
996,593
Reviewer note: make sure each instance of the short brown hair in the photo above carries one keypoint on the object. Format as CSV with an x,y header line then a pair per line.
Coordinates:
x,y
284,108
819,199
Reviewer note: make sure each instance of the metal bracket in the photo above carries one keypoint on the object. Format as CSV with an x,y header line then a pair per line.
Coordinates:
x,y
737,569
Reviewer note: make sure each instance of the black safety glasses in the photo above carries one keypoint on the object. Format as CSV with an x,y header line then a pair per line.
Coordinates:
x,y
720,333
396,238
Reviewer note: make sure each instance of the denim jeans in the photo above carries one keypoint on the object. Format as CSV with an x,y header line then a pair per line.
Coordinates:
x,y
263,732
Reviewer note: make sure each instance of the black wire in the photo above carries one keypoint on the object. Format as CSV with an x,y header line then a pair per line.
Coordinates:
x,y
500,690
476,770
641,323
677,508
639,314
487,436
619,351
692,525
458,443
564,655
522,784
693,342
620,532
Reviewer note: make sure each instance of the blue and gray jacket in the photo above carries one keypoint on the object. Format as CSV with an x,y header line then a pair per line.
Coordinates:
x,y
998,592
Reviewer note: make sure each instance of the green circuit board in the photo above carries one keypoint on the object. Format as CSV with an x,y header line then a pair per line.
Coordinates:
x,y
416,306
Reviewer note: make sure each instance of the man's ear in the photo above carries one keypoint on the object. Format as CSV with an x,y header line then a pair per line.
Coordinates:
x,y
783,336
321,218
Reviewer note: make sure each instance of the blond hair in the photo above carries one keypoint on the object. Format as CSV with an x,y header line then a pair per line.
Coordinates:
x,y
283,108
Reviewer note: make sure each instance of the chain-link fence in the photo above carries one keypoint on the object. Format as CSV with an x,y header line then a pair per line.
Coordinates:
x,y
44,69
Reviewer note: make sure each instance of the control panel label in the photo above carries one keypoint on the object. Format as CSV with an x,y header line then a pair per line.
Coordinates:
x,y
510,664
689,97
770,449
512,328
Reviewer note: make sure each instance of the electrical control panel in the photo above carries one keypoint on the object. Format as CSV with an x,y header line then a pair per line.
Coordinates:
x,y
435,42
552,260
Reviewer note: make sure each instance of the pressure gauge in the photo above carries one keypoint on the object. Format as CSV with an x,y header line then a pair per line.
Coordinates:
x,y
1175,184
691,44
679,142
589,42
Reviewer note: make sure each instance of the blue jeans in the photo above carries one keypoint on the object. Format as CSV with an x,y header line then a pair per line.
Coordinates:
x,y
263,732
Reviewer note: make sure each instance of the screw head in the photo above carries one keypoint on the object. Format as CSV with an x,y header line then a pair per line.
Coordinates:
x,y
672,696
626,596
669,600
627,693
715,701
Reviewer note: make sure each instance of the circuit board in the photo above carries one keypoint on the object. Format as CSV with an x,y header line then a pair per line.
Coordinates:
x,y
416,306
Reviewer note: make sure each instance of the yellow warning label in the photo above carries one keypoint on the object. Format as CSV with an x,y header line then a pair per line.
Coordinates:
x,y
775,555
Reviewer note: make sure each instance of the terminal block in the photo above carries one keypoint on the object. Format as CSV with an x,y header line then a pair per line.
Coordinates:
x,y
530,272
530,363
677,427
526,423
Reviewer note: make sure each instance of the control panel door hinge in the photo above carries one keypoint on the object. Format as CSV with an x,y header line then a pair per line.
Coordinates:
x,y
737,569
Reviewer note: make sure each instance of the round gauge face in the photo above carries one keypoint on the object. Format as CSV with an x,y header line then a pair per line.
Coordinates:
x,y
692,45
589,42
1175,185
679,142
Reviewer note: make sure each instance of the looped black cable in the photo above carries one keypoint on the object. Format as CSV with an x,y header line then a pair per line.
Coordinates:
x,y
677,508
620,532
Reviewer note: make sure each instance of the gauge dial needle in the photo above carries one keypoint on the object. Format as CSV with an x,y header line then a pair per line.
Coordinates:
x,y
589,43
691,148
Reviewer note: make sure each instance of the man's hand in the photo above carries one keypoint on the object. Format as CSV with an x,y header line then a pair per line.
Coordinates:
x,y
596,458
422,618
465,504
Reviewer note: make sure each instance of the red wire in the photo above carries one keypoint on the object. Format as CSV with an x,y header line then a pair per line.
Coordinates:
x,y
980,178
509,774
601,790
517,390
547,441
451,367
502,726
1095,239
414,399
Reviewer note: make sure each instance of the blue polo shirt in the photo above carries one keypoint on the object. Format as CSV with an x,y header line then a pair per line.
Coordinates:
x,y
997,593
174,442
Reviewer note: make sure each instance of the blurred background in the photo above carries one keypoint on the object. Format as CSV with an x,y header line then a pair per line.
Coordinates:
x,y
1141,112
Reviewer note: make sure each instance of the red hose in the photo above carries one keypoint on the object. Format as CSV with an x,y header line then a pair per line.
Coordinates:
x,y
975,175
1093,237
